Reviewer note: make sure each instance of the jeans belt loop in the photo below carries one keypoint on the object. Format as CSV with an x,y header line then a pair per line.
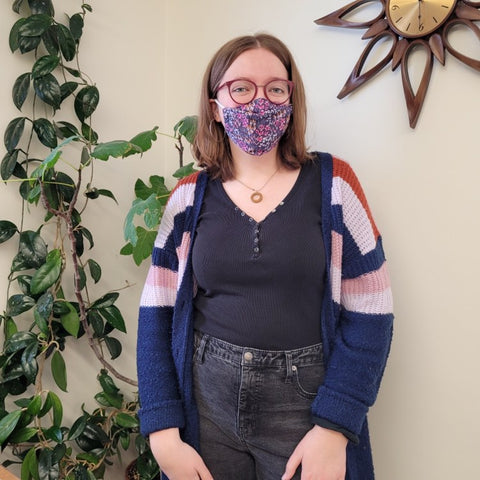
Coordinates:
x,y
289,361
201,348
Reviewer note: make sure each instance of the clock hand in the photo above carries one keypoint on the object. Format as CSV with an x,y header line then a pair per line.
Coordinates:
x,y
420,14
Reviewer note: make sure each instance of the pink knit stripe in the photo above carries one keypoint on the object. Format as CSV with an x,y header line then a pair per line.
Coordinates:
x,y
160,288
369,293
181,197
336,266
182,253
371,282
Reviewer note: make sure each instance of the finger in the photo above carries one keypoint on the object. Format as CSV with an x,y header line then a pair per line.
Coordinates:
x,y
292,465
203,472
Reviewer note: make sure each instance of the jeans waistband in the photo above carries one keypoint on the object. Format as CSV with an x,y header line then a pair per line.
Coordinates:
x,y
206,344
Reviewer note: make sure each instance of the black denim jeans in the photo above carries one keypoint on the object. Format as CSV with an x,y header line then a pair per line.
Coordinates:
x,y
254,406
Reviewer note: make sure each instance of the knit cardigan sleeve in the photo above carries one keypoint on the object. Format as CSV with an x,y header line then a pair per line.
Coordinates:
x,y
160,394
359,336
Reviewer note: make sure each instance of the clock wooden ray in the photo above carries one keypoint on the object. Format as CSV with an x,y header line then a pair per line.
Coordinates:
x,y
409,25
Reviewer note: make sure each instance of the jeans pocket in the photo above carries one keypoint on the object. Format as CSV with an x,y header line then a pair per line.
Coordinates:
x,y
307,379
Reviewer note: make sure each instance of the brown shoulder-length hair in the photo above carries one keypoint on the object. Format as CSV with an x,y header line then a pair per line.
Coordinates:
x,y
211,147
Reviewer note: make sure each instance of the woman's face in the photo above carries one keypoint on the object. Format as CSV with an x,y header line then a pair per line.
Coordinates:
x,y
258,65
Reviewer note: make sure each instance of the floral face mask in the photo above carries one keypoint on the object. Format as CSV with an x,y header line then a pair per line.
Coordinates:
x,y
256,127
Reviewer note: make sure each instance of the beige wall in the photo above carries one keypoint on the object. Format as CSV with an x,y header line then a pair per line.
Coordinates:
x,y
421,184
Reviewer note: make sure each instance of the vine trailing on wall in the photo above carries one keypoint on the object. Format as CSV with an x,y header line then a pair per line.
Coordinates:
x,y
50,301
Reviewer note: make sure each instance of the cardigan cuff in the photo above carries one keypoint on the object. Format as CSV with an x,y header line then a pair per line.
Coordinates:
x,y
339,409
161,416
321,422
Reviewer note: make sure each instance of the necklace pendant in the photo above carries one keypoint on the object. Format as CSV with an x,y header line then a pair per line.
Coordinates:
x,y
256,197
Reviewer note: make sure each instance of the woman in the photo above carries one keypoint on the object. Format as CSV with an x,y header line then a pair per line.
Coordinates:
x,y
265,321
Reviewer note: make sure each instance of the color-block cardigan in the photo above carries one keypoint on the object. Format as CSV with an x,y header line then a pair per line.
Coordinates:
x,y
356,315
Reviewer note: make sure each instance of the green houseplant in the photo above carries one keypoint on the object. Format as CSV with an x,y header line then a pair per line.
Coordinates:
x,y
50,306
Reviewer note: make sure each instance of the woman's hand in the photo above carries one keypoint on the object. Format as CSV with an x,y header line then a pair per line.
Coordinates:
x,y
177,459
323,456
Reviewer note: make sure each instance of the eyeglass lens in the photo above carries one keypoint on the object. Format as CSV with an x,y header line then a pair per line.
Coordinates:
x,y
244,91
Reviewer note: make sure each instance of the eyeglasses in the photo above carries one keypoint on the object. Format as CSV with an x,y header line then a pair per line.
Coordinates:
x,y
243,91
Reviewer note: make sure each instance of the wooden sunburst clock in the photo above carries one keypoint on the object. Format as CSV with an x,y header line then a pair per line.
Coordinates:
x,y
408,25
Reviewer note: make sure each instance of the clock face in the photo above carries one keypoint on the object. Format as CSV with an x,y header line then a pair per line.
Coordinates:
x,y
417,18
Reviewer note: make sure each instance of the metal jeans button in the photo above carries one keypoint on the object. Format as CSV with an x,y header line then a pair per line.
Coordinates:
x,y
248,356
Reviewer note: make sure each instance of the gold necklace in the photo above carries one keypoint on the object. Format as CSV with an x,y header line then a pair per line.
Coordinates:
x,y
256,196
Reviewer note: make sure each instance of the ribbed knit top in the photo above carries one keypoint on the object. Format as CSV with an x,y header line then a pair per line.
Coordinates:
x,y
259,285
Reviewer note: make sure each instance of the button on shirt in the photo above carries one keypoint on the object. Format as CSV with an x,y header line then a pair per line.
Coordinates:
x,y
260,284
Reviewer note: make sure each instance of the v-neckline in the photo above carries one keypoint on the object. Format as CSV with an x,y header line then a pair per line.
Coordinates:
x,y
289,194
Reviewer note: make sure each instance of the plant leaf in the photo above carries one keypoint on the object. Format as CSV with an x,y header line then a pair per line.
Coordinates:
x,y
66,42
184,171
44,305
14,35
114,347
139,207
144,139
52,159
95,270
8,424
13,133
67,129
107,383
107,193
48,89
127,249
32,250
71,320
57,408
30,465
35,405
48,273
143,248
158,187
9,164
42,6
90,135
45,132
19,341
125,420
18,304
35,25
50,40
59,371
76,26
115,148
45,65
20,90
106,301
47,468
114,317
66,89
29,362
27,44
22,435
187,127
86,102
7,230
77,428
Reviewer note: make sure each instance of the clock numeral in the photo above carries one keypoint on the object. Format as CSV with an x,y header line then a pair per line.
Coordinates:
x,y
421,27
395,7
